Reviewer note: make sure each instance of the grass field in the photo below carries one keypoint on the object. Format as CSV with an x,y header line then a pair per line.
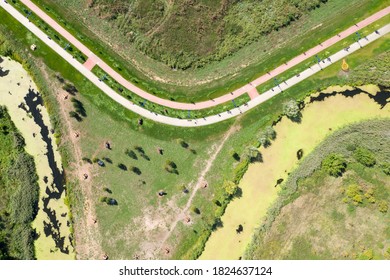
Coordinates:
x,y
309,227
217,78
187,241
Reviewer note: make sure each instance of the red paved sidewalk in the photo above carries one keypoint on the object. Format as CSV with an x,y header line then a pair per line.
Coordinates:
x,y
210,103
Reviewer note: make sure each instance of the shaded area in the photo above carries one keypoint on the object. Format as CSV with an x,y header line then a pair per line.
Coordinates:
x,y
381,97
3,73
57,188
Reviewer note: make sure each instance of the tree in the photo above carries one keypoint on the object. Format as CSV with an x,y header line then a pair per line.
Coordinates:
x,y
364,157
230,188
291,109
334,164
270,132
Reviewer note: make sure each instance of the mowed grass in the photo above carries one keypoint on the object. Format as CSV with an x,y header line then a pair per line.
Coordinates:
x,y
316,222
259,184
217,78
136,194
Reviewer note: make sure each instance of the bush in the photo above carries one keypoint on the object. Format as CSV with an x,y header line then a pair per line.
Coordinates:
x,y
240,170
230,188
131,154
122,166
291,109
364,157
85,159
75,115
171,167
383,206
195,210
334,164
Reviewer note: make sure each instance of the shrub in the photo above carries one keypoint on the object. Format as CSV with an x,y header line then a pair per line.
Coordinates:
x,y
136,170
171,167
122,166
383,206
230,188
131,154
75,115
334,164
85,159
107,190
183,143
240,170
291,109
195,210
364,157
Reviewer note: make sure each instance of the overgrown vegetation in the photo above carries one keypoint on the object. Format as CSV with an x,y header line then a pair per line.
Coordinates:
x,y
185,34
19,192
362,191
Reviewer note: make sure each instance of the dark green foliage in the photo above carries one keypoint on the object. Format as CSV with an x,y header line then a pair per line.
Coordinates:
x,y
136,170
131,154
79,107
108,200
19,192
364,156
334,164
171,167
107,190
195,210
75,115
122,166
85,159
240,170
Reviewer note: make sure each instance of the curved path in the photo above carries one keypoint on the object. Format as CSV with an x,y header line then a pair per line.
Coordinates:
x,y
257,99
250,88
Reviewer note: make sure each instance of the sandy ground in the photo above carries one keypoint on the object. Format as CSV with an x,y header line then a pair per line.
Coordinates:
x,y
258,184
13,89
